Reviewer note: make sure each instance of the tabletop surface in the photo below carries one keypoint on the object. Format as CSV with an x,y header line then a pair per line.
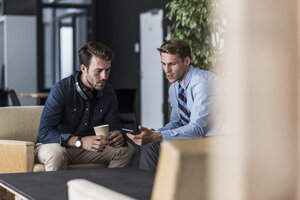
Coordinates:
x,y
136,183
35,95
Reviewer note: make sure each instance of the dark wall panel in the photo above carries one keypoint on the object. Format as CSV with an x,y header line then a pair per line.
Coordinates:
x,y
18,7
117,25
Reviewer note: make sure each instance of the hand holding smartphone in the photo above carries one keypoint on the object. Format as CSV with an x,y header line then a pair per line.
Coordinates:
x,y
129,131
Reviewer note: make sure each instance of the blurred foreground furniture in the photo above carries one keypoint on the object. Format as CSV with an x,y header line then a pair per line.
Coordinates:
x,y
18,133
77,192
128,182
181,174
182,171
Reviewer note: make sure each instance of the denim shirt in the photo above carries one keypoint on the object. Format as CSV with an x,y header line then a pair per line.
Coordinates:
x,y
199,95
67,114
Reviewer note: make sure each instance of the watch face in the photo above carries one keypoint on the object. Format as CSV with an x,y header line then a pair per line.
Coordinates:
x,y
78,143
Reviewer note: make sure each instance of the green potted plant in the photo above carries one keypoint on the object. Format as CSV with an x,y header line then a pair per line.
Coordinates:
x,y
196,22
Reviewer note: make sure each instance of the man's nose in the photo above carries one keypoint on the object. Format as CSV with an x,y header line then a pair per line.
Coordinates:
x,y
168,69
103,75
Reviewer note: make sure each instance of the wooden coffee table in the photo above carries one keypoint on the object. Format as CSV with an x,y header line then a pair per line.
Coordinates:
x,y
7,193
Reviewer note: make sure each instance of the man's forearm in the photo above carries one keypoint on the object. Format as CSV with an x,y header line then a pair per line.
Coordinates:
x,y
184,132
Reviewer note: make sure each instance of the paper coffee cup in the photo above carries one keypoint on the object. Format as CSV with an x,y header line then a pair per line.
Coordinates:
x,y
102,130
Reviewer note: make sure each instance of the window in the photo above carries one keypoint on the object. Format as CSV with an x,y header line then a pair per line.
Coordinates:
x,y
64,26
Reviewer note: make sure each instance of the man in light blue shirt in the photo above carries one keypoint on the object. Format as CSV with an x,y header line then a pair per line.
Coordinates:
x,y
190,95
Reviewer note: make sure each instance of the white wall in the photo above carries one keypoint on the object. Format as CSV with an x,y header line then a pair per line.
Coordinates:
x,y
20,55
151,36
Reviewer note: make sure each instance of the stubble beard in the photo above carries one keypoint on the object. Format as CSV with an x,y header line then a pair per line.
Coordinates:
x,y
94,87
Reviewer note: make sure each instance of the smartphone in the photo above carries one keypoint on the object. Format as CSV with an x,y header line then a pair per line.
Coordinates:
x,y
126,130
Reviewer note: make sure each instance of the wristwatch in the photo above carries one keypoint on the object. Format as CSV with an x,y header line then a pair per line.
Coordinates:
x,y
78,142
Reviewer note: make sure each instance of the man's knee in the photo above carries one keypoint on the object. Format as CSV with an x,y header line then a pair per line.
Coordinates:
x,y
125,151
121,156
53,156
150,148
149,156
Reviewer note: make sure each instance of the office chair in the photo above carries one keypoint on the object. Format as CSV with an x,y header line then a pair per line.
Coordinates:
x,y
8,93
13,97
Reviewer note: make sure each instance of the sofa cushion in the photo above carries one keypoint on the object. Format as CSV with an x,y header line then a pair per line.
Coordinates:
x,y
20,122
38,167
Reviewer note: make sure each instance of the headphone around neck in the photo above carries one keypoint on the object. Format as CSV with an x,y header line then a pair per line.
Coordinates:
x,y
83,91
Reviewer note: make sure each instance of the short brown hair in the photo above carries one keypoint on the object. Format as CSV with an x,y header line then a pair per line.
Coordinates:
x,y
97,49
176,46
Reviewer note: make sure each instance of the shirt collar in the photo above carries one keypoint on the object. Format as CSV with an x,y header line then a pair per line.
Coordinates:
x,y
185,82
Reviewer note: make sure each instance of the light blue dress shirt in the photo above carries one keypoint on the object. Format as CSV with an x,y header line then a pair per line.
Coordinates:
x,y
199,94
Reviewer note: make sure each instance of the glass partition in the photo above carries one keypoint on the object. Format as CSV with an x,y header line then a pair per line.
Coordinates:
x,y
66,25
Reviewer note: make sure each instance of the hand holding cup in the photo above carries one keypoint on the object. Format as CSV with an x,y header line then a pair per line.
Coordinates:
x,y
102,130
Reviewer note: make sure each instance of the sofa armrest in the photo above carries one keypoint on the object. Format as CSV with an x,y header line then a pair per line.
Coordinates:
x,y
81,189
16,156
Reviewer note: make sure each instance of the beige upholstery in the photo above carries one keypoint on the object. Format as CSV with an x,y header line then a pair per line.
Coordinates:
x,y
18,132
16,156
20,122
182,169
181,173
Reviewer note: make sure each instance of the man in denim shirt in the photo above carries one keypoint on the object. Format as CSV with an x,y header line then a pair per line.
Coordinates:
x,y
190,96
75,105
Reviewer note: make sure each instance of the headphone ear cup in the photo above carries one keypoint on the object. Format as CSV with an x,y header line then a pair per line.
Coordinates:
x,y
81,93
84,92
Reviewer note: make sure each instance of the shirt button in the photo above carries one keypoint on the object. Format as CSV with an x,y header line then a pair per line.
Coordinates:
x,y
87,108
85,124
74,109
101,110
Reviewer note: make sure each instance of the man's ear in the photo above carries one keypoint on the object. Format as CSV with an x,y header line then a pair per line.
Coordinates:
x,y
187,61
83,68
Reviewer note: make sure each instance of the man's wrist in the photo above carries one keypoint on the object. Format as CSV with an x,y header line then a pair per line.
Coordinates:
x,y
78,142
71,141
157,137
